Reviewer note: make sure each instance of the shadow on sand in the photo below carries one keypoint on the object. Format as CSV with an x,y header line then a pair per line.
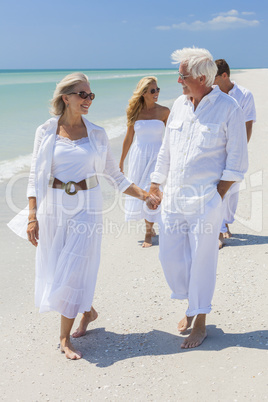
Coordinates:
x,y
104,348
240,239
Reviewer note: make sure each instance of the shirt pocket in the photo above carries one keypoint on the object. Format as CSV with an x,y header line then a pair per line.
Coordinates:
x,y
209,135
175,127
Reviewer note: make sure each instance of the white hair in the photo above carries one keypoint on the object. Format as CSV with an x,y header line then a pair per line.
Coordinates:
x,y
65,87
198,61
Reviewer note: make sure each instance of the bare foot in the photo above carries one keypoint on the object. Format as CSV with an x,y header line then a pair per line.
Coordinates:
x,y
87,317
147,241
228,234
221,240
198,333
185,323
70,352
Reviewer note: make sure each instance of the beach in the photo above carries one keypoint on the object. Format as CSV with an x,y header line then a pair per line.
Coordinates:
x,y
132,351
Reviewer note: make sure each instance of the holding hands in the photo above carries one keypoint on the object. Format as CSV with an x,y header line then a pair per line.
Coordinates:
x,y
155,196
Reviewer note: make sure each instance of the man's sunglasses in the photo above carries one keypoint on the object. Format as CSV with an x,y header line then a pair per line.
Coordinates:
x,y
84,95
182,77
153,91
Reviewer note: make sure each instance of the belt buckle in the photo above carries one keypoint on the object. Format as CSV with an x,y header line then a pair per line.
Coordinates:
x,y
68,188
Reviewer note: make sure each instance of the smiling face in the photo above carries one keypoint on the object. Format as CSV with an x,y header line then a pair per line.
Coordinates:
x,y
190,86
77,105
148,96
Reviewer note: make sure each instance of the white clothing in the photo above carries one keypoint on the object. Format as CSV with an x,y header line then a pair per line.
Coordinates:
x,y
45,137
72,160
200,148
245,100
230,203
142,160
68,253
188,252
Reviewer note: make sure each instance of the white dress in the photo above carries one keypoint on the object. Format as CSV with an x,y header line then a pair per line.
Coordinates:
x,y
70,226
142,160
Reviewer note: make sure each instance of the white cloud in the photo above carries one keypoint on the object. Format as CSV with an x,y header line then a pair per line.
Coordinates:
x,y
224,20
248,13
227,13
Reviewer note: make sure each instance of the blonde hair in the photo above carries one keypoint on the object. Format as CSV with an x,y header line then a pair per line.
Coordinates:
x,y
65,87
136,102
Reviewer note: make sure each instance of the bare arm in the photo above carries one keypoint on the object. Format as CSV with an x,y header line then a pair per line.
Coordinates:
x,y
152,200
33,228
223,187
166,114
126,145
249,125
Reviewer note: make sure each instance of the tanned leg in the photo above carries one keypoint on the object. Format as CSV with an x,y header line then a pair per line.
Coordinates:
x,y
65,344
185,323
148,236
198,333
87,317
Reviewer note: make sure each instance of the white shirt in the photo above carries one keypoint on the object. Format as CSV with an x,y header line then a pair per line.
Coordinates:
x,y
72,160
245,100
200,148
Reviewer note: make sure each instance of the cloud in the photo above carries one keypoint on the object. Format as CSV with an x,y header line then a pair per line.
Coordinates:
x,y
224,20
227,13
248,13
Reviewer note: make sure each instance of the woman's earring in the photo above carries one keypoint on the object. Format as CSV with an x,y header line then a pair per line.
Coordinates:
x,y
67,104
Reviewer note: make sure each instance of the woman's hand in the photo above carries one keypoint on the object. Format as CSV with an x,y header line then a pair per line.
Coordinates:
x,y
33,232
121,167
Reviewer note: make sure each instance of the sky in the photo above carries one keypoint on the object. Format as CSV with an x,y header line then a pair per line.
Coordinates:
x,y
71,34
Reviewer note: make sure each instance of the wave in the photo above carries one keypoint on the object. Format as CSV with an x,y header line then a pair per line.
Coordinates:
x,y
15,79
8,168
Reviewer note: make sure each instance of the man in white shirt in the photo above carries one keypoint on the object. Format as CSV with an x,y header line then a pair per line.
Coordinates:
x,y
199,160
246,101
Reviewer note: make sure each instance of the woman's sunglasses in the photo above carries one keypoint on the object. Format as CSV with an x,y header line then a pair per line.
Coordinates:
x,y
84,95
153,91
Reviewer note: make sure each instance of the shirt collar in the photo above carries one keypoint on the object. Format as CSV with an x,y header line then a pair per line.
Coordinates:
x,y
233,89
211,96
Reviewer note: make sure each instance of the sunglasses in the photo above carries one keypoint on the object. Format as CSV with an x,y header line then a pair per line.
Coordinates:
x,y
84,95
182,77
153,91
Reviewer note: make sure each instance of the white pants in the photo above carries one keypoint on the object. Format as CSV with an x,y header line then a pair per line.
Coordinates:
x,y
229,206
188,252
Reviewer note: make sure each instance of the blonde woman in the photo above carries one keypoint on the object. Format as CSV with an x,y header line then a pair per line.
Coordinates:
x,y
146,119
65,207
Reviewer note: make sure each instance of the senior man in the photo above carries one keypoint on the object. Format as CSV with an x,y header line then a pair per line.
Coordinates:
x,y
246,101
204,152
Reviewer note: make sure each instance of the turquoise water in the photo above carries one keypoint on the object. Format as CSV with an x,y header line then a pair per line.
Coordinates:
x,y
25,95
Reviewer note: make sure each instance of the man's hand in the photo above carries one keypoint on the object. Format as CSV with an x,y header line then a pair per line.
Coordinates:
x,y
155,196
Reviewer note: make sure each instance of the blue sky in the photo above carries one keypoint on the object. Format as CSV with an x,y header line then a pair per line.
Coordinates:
x,y
42,34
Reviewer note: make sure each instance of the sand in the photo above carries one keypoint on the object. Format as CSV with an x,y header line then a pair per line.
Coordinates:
x,y
132,351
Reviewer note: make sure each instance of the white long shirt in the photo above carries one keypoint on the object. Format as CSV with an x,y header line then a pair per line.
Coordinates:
x,y
245,100
200,148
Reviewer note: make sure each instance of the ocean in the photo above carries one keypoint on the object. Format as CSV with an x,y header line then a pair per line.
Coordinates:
x,y
25,96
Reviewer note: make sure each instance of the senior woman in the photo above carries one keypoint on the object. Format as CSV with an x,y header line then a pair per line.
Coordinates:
x,y
65,207
146,119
